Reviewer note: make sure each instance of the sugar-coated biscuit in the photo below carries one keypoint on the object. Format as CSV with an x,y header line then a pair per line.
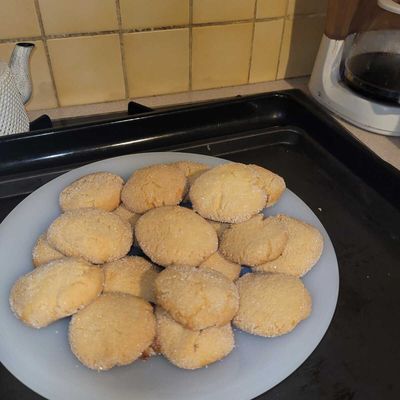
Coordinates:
x,y
192,171
129,216
273,184
96,235
255,241
220,264
132,275
192,349
154,186
219,227
197,298
228,193
99,190
43,253
114,330
302,251
271,304
175,235
55,290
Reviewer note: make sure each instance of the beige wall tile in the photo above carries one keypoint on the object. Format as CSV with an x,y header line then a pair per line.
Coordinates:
x,y
271,8
222,10
43,95
157,62
87,69
137,14
301,39
266,47
221,55
75,16
18,19
307,6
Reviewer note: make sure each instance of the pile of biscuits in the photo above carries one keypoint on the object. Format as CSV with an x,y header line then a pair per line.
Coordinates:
x,y
195,227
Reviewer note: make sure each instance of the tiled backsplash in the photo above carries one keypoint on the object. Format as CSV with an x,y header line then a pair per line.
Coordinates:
x,y
103,50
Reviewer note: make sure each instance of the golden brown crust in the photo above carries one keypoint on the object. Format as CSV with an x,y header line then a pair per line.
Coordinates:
x,y
99,190
302,251
255,241
228,193
96,235
175,236
131,275
113,330
192,349
271,304
154,186
55,290
197,298
43,253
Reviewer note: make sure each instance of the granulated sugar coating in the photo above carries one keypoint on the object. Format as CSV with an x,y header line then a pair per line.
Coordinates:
x,y
302,251
271,304
55,290
113,330
99,190
190,349
255,241
197,298
96,235
43,253
228,193
175,236
155,186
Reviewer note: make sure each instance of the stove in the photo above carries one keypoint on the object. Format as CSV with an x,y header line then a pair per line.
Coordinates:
x,y
355,194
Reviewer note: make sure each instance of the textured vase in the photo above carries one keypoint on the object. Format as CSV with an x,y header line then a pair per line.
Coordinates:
x,y
19,65
13,117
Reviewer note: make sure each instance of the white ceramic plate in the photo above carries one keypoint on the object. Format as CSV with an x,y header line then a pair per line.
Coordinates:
x,y
42,360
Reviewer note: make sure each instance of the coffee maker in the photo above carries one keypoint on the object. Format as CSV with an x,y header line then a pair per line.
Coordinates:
x,y
356,74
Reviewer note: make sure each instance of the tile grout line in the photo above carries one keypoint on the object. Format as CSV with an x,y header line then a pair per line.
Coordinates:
x,y
121,46
46,50
190,44
285,19
161,28
252,40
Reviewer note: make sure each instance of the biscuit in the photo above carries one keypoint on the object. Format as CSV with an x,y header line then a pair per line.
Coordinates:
x,y
220,264
197,298
132,275
272,184
43,253
113,330
175,235
127,215
192,171
192,349
55,290
99,190
96,235
228,193
154,186
271,304
219,227
302,251
255,241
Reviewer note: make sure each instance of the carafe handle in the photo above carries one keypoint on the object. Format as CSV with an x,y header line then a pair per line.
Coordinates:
x,y
389,5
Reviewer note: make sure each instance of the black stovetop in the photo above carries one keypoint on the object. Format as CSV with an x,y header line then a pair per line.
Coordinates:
x,y
355,194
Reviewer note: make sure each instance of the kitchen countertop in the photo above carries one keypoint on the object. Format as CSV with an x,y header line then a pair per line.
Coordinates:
x,y
388,148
